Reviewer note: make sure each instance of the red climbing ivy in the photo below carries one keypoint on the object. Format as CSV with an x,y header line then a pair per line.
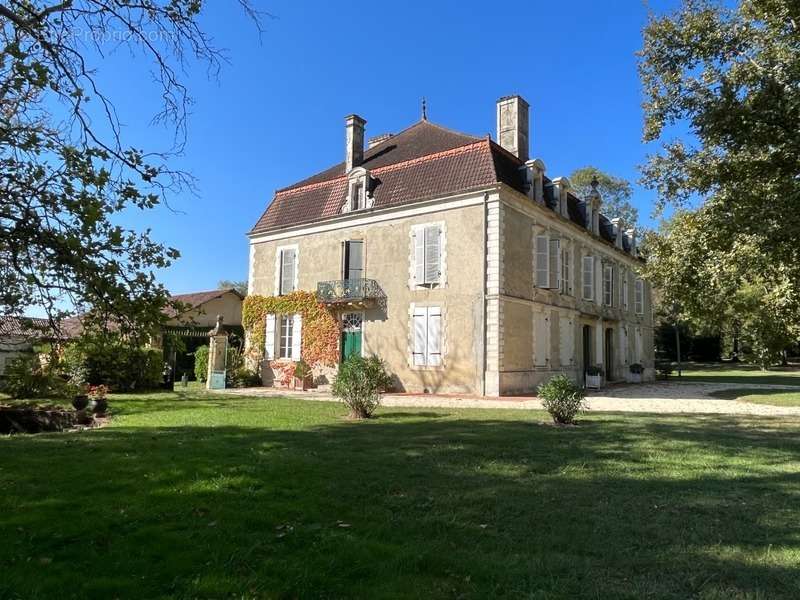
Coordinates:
x,y
320,334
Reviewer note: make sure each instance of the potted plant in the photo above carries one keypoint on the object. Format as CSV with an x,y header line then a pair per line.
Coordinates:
x,y
285,373
636,373
98,395
81,400
594,377
302,374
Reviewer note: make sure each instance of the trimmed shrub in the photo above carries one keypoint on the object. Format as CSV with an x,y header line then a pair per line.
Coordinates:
x,y
562,398
359,384
201,363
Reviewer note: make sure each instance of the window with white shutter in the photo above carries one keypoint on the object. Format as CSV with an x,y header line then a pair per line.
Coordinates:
x,y
608,285
288,271
587,278
541,342
542,261
428,255
269,338
297,335
639,297
555,264
566,343
566,272
427,336
624,289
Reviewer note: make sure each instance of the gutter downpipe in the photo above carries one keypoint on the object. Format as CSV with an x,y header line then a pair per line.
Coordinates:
x,y
483,290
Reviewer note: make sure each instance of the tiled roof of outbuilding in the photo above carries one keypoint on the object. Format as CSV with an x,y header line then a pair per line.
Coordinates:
x,y
13,326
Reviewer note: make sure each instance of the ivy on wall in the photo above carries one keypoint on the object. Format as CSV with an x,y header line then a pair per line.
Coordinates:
x,y
319,344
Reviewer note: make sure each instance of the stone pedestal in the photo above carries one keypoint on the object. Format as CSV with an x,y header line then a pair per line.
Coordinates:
x,y
217,356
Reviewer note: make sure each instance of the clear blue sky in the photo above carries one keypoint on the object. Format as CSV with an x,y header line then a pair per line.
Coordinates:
x,y
276,114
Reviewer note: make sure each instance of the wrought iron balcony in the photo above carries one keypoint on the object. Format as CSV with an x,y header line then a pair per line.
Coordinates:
x,y
359,292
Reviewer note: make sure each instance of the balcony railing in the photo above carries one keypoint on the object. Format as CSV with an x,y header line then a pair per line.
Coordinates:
x,y
350,291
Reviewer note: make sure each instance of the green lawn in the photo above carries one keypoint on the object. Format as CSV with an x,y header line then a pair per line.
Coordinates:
x,y
210,497
739,373
760,396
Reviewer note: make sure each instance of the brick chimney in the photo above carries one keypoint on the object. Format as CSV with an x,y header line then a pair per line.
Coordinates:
x,y
354,142
512,125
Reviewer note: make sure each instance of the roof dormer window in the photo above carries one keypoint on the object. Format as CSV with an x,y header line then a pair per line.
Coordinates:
x,y
359,195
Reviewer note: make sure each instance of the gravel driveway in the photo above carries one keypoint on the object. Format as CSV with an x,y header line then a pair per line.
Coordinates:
x,y
661,397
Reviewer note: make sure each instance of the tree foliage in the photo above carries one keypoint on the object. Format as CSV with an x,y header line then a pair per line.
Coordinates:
x,y
65,171
732,77
616,193
228,284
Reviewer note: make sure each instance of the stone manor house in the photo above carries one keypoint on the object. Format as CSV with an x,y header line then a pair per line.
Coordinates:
x,y
458,261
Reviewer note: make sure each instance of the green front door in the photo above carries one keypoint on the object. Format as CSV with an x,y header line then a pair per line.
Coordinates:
x,y
351,344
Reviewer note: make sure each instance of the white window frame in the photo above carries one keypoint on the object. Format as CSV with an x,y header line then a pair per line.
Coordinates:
x,y
638,301
274,348
358,177
587,284
608,285
417,235
285,341
426,343
279,267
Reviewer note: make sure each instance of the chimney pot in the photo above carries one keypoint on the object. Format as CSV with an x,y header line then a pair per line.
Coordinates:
x,y
354,141
512,125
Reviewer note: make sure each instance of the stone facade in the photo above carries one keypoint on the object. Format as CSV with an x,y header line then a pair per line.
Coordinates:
x,y
387,253
488,292
492,312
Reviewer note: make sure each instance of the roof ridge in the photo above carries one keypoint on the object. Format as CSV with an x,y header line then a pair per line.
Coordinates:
x,y
443,128
387,168
433,156
375,150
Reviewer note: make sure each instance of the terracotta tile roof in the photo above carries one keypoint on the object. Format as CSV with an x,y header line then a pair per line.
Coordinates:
x,y
195,299
459,169
12,326
422,162
420,139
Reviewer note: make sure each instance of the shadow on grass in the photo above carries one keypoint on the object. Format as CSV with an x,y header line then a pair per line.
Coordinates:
x,y
410,504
